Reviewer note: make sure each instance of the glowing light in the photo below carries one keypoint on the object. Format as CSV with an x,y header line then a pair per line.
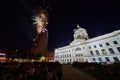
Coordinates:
x,y
16,50
44,29
43,58
41,21
2,54
2,58
34,39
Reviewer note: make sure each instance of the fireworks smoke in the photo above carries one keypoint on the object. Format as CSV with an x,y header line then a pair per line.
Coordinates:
x,y
41,21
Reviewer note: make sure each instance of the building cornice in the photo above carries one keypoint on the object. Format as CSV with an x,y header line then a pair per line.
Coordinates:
x,y
106,36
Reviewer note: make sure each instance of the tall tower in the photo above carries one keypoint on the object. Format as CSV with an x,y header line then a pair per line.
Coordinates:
x,y
40,44
41,40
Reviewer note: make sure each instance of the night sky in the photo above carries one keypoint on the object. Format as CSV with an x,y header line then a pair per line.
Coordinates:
x,y
17,30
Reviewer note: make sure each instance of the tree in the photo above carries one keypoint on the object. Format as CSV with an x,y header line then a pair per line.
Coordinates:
x,y
37,56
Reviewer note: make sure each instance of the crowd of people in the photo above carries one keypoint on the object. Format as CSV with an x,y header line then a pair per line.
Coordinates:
x,y
30,71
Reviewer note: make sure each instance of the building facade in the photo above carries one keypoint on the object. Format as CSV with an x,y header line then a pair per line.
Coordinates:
x,y
105,48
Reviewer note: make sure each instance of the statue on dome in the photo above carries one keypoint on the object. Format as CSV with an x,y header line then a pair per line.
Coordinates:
x,y
80,33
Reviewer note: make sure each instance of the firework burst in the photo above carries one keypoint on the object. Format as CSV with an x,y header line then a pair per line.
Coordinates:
x,y
41,21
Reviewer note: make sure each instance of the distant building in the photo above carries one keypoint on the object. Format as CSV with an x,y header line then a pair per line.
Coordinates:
x,y
105,48
50,56
3,57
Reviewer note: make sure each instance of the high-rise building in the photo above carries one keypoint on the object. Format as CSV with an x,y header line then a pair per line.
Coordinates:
x,y
41,40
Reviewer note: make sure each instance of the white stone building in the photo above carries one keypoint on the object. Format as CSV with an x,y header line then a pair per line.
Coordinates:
x,y
105,48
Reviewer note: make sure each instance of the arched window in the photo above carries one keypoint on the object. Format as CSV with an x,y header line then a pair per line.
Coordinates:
x,y
77,49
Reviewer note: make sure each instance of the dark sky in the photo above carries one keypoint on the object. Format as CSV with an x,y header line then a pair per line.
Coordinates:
x,y
17,31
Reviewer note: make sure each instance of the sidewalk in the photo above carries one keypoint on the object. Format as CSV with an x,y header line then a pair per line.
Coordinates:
x,y
70,73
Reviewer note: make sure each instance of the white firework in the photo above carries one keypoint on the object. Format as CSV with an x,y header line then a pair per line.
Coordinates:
x,y
37,19
41,20
39,23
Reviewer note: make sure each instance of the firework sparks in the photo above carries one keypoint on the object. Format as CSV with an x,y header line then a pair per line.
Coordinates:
x,y
41,21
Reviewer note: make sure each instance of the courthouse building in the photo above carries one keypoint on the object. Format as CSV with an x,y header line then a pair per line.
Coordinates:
x,y
105,48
